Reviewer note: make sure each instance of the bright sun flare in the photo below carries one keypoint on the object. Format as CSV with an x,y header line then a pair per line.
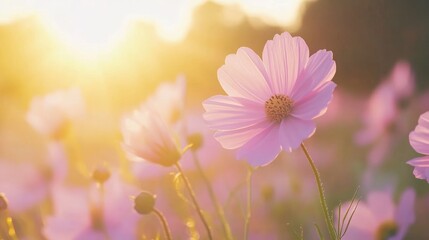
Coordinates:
x,y
91,27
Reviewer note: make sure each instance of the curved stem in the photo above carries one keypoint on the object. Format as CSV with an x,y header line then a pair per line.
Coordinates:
x,y
194,200
219,209
325,209
164,223
249,202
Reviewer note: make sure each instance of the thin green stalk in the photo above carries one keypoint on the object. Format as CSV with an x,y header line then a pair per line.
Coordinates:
x,y
219,208
164,223
249,202
194,200
325,209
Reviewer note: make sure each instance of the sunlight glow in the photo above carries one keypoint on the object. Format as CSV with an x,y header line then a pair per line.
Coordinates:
x,y
86,26
94,26
281,13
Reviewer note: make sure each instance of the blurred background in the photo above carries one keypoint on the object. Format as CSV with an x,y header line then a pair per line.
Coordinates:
x,y
118,52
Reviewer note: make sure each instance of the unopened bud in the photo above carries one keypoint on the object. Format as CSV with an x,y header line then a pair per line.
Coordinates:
x,y
196,139
144,203
3,202
101,175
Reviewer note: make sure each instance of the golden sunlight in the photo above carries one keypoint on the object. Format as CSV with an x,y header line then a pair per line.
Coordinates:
x,y
284,13
89,27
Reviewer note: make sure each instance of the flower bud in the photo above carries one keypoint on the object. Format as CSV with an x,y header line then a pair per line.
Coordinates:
x,y
3,202
101,175
144,203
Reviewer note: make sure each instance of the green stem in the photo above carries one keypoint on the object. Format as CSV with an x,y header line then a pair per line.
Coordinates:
x,y
219,209
249,202
164,223
325,209
194,200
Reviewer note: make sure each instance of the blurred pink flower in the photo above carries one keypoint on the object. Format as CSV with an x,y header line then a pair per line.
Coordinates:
x,y
379,218
50,114
210,152
82,214
379,115
402,80
147,137
272,102
169,100
382,118
23,184
419,140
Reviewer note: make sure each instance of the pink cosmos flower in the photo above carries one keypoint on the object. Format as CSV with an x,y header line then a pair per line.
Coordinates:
x,y
146,137
379,218
382,119
209,153
23,184
419,140
402,80
50,114
380,114
82,214
169,100
272,101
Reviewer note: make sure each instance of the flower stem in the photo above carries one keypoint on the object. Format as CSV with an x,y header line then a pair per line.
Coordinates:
x,y
11,228
219,209
164,223
103,206
325,209
194,200
249,202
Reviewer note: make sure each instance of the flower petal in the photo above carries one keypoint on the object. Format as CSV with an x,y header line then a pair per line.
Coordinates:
x,y
229,113
363,219
320,69
421,167
405,212
419,138
233,139
284,58
263,148
293,131
381,206
316,104
244,75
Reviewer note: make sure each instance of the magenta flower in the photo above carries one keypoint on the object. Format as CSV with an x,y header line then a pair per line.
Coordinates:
x,y
272,102
146,137
419,140
379,218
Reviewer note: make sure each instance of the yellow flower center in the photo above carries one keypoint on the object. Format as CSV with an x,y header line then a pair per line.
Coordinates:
x,y
278,107
386,230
